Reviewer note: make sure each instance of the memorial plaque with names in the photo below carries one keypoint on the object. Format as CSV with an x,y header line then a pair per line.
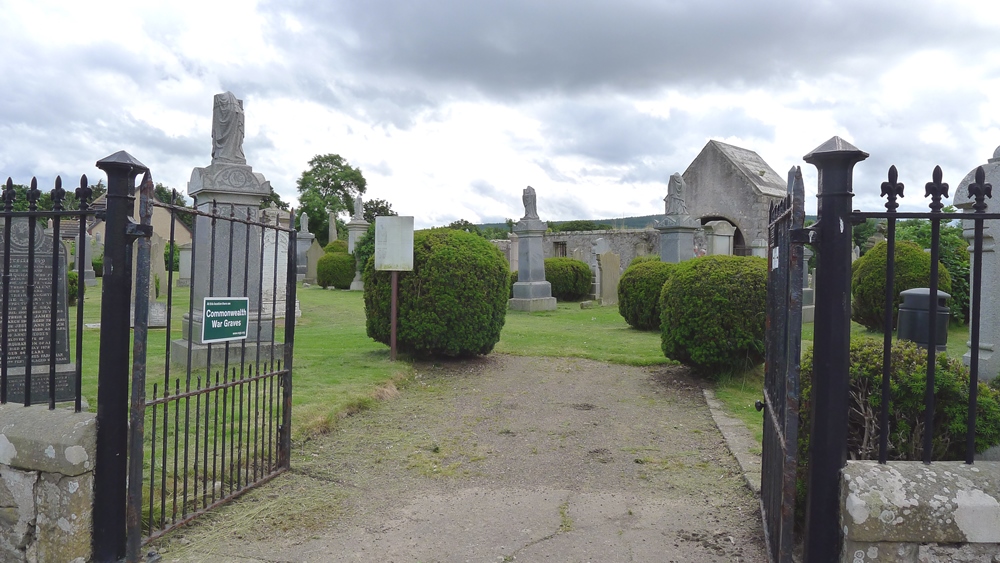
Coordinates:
x,y
42,347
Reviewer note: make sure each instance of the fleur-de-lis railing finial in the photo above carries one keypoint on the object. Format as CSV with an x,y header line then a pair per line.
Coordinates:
x,y
936,189
980,190
83,193
33,194
892,189
9,195
57,194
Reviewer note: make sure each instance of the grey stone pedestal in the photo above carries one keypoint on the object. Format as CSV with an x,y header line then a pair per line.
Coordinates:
x,y
677,238
531,291
355,230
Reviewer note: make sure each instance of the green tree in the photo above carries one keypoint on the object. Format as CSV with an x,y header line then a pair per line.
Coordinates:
x,y
377,208
275,199
165,194
463,225
328,186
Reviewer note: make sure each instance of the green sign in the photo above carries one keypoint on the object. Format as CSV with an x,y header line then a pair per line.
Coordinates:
x,y
226,319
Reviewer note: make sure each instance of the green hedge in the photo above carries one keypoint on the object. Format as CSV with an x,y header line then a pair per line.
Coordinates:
x,y
336,269
906,410
644,258
453,303
639,293
336,246
73,287
912,269
713,313
570,278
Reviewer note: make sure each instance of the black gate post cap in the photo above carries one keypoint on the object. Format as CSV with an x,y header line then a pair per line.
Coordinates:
x,y
835,148
121,159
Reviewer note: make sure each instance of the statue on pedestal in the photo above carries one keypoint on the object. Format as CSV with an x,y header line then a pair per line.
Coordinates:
x,y
227,129
528,197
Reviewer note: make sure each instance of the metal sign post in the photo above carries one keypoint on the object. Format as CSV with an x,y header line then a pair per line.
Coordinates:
x,y
394,253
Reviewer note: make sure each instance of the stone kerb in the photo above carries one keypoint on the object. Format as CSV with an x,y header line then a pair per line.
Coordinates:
x,y
907,512
46,491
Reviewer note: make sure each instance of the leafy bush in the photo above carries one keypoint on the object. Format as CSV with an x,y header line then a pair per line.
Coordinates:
x,y
336,246
713,312
176,264
644,258
513,280
454,301
912,269
570,278
954,254
73,287
99,267
906,410
639,293
364,247
336,269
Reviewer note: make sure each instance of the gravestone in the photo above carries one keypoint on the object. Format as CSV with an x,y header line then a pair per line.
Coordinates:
x,y
677,229
333,234
274,283
597,247
184,259
313,254
531,291
85,260
989,311
42,346
610,267
355,230
720,237
234,189
302,244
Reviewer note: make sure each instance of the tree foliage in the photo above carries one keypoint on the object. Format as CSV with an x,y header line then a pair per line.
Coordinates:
x,y
578,225
377,208
328,186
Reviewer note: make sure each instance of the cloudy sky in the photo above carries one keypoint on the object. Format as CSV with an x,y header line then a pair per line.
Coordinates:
x,y
450,108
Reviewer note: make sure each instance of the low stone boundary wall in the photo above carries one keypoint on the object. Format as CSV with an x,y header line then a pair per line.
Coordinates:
x,y
911,512
46,483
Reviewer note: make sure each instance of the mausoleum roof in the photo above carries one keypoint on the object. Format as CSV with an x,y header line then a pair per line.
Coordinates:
x,y
753,167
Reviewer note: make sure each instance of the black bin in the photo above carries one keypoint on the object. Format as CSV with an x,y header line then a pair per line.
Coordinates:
x,y
914,317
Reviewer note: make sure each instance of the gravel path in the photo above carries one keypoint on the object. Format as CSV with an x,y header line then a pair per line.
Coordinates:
x,y
503,459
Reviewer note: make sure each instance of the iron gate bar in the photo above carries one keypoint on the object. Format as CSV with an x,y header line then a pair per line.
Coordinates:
x,y
891,188
57,195
29,325
83,194
979,190
8,206
936,189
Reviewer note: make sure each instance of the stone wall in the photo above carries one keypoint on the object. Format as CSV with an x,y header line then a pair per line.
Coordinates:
x,y
626,243
908,512
46,483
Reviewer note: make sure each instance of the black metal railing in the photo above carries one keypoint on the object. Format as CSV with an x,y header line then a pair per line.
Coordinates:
x,y
35,349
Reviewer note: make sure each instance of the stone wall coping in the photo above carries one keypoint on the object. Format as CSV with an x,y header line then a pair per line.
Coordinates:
x,y
51,441
944,502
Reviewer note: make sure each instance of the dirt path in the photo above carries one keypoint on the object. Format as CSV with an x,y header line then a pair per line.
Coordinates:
x,y
503,459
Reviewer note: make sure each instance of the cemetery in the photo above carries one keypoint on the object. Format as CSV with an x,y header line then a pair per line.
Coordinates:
x,y
527,367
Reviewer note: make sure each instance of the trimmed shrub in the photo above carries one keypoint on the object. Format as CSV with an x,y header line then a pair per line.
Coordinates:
x,y
912,269
713,312
364,247
570,278
513,280
72,287
644,258
453,303
639,293
174,265
99,267
906,410
336,269
336,246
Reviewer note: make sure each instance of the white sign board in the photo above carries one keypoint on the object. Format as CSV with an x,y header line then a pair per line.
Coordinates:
x,y
394,243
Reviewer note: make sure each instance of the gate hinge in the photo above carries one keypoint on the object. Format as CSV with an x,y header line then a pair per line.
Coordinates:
x,y
135,230
807,235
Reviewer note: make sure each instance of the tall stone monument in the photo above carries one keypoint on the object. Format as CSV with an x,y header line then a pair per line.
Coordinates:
x,y
678,228
989,326
236,190
85,260
531,291
355,230
304,242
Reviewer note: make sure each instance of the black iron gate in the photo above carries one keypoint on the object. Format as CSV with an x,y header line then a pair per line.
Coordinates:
x,y
213,418
781,379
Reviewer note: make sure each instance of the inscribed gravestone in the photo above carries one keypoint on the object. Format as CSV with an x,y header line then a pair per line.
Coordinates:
x,y
41,344
313,255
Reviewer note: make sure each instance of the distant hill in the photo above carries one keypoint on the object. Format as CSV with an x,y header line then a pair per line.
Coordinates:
x,y
616,223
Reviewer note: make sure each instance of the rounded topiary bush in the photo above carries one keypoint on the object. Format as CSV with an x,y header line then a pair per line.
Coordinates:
x,y
336,269
644,258
336,246
570,278
912,269
639,293
907,379
713,312
454,301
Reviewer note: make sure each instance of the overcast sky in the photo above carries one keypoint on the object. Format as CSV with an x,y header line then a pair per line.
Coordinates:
x,y
450,108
